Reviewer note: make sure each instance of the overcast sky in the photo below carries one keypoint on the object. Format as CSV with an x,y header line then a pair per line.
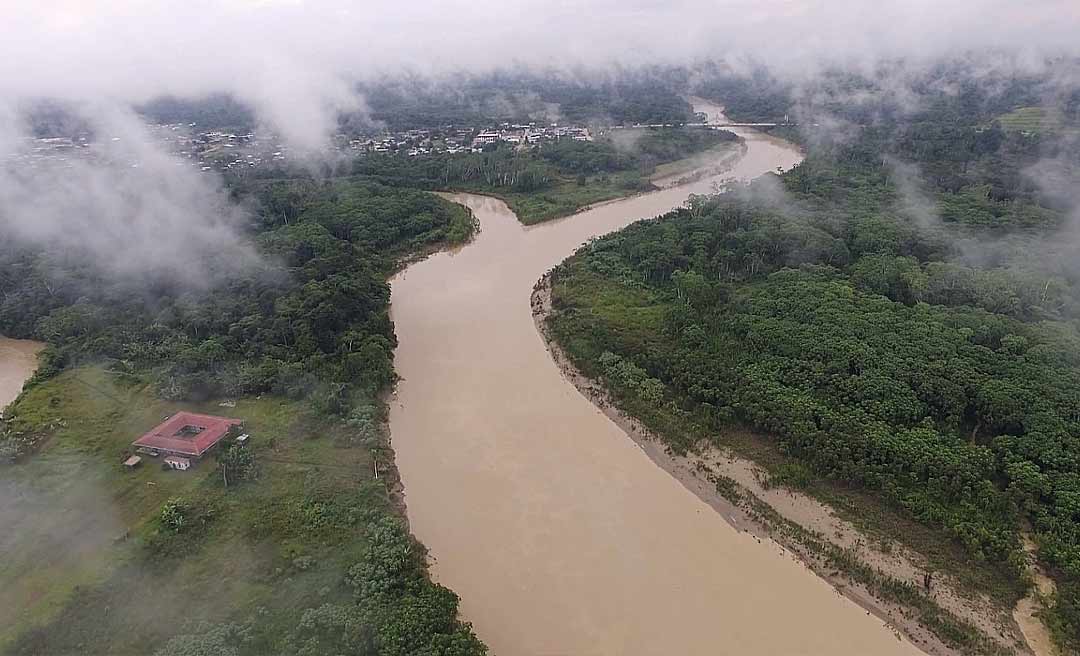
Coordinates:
x,y
306,53
296,62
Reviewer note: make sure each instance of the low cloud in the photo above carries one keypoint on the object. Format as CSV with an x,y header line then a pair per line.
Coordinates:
x,y
297,61
298,64
126,206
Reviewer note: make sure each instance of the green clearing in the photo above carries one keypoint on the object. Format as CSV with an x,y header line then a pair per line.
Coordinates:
x,y
558,179
96,573
567,196
571,195
305,552
1038,120
1028,119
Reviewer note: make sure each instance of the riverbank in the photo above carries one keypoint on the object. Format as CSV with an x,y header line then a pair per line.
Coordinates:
x,y
712,162
18,362
569,197
882,578
564,537
95,548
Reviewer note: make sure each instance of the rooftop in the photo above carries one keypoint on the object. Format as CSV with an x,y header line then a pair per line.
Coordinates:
x,y
187,433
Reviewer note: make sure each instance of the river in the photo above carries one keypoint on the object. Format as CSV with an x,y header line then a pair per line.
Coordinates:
x,y
560,535
18,360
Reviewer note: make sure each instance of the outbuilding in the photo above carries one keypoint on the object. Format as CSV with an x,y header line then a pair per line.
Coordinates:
x,y
177,462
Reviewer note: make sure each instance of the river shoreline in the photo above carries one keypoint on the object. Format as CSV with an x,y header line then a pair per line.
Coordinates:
x,y
18,362
696,472
557,533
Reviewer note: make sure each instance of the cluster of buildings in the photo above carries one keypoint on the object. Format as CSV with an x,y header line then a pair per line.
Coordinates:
x,y
452,140
52,150
221,150
531,134
215,150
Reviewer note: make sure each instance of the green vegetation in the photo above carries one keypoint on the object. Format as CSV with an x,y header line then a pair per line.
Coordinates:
x,y
1027,119
288,544
310,321
846,314
648,95
552,180
101,560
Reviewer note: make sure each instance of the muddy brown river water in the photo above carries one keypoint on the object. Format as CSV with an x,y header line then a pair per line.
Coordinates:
x,y
560,535
18,360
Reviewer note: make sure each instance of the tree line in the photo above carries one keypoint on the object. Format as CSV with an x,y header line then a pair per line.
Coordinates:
x,y
898,312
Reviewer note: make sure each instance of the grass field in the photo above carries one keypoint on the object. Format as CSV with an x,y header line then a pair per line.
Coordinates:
x,y
567,196
88,567
1029,119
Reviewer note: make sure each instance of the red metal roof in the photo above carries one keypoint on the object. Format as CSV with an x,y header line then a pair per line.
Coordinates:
x,y
203,432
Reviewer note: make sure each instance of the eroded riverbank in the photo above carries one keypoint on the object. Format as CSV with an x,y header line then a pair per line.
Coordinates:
x,y
18,361
812,531
559,533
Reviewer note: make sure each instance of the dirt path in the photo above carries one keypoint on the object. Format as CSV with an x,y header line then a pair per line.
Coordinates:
x,y
1034,630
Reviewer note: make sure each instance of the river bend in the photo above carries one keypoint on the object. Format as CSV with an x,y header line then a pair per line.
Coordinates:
x,y
560,535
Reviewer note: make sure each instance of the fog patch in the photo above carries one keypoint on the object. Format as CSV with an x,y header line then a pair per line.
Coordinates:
x,y
59,524
126,207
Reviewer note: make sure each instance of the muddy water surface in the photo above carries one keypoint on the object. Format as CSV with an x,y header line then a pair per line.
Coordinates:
x,y
18,360
558,532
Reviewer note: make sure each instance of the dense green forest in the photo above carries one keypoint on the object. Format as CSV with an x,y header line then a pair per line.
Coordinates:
x,y
307,550
217,111
310,321
551,180
898,313
629,96
300,344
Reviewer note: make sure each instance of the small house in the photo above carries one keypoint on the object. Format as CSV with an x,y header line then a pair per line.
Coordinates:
x,y
132,462
178,463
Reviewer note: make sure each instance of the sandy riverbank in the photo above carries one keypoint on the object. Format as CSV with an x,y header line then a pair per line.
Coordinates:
x,y
558,533
698,471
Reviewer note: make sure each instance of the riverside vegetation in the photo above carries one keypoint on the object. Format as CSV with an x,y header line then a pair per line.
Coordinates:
x,y
305,551
894,321
552,180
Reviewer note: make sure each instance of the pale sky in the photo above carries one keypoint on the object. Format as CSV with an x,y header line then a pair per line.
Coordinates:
x,y
296,63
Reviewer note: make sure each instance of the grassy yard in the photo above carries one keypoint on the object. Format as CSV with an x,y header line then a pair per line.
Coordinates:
x,y
88,566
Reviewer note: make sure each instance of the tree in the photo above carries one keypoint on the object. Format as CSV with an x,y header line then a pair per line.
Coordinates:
x,y
236,462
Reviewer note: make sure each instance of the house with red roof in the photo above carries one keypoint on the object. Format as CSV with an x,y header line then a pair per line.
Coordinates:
x,y
187,434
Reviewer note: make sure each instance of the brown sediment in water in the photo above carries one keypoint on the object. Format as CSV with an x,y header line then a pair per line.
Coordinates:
x,y
18,361
698,470
560,534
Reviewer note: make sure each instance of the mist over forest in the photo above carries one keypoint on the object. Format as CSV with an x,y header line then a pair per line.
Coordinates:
x,y
203,205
